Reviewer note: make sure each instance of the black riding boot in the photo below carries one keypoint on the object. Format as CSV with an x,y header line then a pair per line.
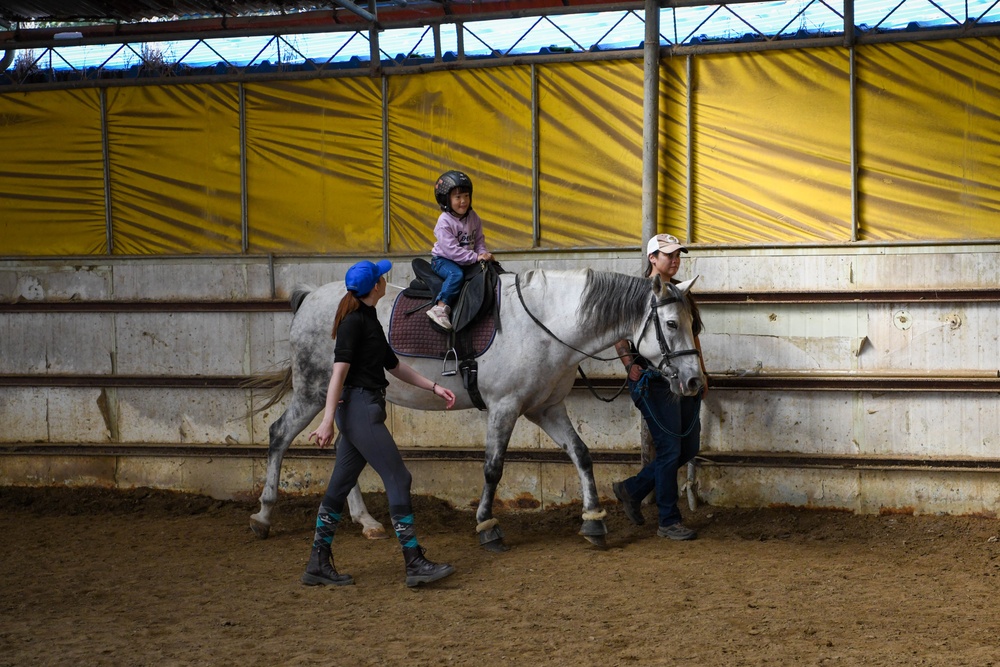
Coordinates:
x,y
419,570
320,570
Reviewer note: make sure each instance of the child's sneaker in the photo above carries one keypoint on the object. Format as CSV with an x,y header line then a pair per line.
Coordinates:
x,y
439,316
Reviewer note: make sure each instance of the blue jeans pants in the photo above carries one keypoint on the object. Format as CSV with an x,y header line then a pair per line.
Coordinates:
x,y
452,274
674,423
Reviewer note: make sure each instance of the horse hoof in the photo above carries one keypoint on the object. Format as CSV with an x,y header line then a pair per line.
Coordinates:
x,y
596,540
593,528
496,546
491,538
259,528
376,533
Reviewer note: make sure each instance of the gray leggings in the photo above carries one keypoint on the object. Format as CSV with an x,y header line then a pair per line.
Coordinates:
x,y
364,439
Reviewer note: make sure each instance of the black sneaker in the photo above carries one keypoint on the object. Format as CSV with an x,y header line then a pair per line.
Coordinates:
x,y
677,531
633,508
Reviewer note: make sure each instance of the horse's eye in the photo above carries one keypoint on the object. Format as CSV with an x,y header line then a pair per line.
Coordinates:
x,y
671,324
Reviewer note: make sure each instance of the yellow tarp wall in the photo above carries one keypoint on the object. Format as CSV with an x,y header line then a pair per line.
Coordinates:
x,y
478,121
314,166
175,169
929,125
52,174
770,148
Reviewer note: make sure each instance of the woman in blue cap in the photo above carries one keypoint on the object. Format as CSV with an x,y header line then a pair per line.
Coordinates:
x,y
355,400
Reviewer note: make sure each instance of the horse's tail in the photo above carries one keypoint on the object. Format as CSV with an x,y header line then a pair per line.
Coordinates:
x,y
276,383
279,382
299,293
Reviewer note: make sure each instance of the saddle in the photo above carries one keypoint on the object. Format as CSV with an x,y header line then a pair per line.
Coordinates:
x,y
476,297
475,318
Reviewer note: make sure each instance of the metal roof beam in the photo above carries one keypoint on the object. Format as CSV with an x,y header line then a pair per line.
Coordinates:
x,y
351,7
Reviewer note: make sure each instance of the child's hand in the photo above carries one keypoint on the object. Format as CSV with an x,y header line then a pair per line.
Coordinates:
x,y
486,257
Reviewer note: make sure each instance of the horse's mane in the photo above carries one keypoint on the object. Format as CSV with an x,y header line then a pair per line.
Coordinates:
x,y
613,301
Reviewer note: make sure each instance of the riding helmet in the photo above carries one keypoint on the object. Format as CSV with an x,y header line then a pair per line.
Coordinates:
x,y
447,182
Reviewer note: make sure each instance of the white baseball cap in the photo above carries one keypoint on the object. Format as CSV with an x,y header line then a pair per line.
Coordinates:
x,y
664,243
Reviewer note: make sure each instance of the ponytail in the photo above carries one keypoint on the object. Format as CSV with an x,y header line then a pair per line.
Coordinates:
x,y
348,305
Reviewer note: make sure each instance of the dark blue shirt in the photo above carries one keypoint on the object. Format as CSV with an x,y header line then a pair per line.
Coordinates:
x,y
361,343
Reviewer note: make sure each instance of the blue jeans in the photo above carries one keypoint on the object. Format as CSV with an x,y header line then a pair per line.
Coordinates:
x,y
452,274
675,425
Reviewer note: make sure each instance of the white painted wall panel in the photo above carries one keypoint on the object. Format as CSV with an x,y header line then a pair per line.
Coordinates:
x,y
24,414
172,280
39,281
181,343
938,337
54,415
185,416
932,424
927,267
269,344
809,422
56,343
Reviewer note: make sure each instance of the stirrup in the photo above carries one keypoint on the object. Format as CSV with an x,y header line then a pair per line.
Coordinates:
x,y
447,371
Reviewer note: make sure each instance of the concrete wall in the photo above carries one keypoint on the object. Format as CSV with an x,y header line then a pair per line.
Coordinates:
x,y
180,438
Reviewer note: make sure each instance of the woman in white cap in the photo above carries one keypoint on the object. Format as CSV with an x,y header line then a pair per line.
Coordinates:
x,y
673,421
355,400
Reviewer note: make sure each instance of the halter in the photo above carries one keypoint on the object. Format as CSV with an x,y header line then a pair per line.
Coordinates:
x,y
665,352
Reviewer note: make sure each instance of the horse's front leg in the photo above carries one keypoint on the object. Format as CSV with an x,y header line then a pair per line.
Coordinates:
x,y
370,528
555,422
499,427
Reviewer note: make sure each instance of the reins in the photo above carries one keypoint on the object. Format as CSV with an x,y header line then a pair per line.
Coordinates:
x,y
517,286
660,339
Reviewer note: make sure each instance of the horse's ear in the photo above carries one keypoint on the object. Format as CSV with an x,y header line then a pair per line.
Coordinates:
x,y
657,284
687,285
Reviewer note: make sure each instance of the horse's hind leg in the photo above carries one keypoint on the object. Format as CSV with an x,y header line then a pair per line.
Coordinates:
x,y
370,528
500,425
282,432
554,421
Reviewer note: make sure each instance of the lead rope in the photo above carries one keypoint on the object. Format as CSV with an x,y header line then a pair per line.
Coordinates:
x,y
642,385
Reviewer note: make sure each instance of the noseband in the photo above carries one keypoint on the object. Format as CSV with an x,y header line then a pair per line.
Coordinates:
x,y
667,355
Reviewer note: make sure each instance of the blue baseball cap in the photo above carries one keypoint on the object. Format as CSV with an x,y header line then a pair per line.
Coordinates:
x,y
363,276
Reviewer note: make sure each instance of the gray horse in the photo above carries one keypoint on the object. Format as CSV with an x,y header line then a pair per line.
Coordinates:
x,y
552,321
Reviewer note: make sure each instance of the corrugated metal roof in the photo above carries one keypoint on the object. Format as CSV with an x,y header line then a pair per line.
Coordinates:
x,y
130,11
137,10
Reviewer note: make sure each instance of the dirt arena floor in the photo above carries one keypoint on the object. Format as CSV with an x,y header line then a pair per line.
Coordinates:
x,y
151,578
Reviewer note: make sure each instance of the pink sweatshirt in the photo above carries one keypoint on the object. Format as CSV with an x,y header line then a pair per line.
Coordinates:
x,y
461,241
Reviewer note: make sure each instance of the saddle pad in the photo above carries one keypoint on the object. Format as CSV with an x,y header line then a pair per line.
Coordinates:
x,y
411,334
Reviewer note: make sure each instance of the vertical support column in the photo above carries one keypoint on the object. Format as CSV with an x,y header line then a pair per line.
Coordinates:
x,y
106,157
385,164
849,40
437,42
650,121
650,155
375,63
689,152
536,229
244,199
853,83
460,40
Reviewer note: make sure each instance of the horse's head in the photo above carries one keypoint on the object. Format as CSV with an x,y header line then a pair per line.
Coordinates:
x,y
666,339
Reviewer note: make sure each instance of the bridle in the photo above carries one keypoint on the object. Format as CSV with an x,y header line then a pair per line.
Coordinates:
x,y
661,340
